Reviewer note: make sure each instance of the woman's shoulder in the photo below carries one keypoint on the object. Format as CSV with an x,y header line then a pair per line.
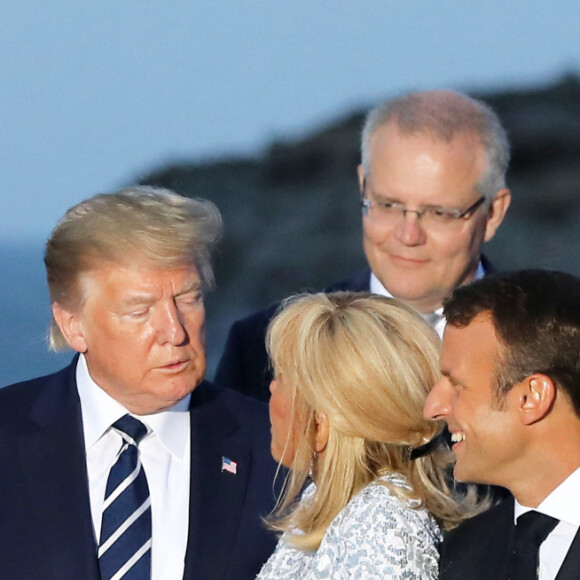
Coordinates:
x,y
376,535
379,500
378,531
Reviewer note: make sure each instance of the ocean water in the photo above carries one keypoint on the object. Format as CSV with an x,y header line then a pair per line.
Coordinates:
x,y
24,315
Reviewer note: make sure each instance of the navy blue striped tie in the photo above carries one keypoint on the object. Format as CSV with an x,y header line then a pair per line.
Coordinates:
x,y
125,546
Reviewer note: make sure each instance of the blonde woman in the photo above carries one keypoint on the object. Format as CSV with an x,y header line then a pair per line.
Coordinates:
x,y
352,372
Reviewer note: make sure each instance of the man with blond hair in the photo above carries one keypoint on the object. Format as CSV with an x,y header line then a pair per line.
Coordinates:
x,y
127,464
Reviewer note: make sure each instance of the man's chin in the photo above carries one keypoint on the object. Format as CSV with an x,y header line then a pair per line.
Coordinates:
x,y
464,476
419,298
169,394
394,280
461,476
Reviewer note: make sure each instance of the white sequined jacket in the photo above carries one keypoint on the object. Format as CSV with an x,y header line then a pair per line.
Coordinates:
x,y
376,536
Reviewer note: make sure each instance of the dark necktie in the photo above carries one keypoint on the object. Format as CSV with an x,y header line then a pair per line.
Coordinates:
x,y
531,530
125,546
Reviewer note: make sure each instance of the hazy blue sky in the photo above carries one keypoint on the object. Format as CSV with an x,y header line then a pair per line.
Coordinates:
x,y
94,94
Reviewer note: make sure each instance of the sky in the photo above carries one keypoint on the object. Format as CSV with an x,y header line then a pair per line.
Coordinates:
x,y
96,94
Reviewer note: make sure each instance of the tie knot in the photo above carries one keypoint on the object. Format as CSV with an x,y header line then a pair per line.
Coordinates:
x,y
535,526
131,427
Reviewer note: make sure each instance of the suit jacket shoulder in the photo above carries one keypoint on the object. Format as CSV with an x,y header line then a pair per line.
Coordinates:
x,y
232,413
244,365
45,523
359,282
478,549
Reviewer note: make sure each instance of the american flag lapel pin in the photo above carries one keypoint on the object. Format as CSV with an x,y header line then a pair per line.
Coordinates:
x,y
229,465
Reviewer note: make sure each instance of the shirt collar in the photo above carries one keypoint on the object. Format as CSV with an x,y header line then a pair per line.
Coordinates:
x,y
100,411
434,319
376,286
561,503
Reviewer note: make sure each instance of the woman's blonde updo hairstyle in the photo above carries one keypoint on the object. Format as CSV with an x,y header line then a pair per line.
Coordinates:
x,y
367,363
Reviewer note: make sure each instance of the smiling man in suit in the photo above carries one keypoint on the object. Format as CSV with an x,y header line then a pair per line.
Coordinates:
x,y
510,395
127,464
433,190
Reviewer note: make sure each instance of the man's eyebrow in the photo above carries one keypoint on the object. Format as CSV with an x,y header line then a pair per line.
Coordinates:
x,y
384,197
453,380
391,199
138,299
193,286
436,206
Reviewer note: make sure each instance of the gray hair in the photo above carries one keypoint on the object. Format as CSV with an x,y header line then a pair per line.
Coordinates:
x,y
148,225
445,113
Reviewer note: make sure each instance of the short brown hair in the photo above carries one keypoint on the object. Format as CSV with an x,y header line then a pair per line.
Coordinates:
x,y
536,316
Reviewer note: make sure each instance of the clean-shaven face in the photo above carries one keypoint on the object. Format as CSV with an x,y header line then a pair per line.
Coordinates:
x,y
485,435
419,266
142,332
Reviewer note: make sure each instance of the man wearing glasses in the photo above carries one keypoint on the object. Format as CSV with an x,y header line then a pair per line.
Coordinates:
x,y
432,183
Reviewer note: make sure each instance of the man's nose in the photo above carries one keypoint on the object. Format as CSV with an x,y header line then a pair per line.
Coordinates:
x,y
170,327
437,404
409,230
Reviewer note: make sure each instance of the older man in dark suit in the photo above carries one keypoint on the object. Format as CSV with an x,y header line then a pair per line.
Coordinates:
x,y
432,185
127,464
510,395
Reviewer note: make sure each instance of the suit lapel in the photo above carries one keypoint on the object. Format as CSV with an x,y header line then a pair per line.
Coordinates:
x,y
217,496
53,461
570,569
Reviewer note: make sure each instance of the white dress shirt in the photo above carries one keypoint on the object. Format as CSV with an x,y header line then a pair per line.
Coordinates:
x,y
165,455
562,504
435,319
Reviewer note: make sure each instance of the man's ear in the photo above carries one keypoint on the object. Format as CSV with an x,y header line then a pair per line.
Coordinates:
x,y
321,429
536,398
71,327
361,178
496,212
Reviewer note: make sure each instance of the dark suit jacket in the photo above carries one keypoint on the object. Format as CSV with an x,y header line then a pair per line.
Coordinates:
x,y
244,365
479,549
46,529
